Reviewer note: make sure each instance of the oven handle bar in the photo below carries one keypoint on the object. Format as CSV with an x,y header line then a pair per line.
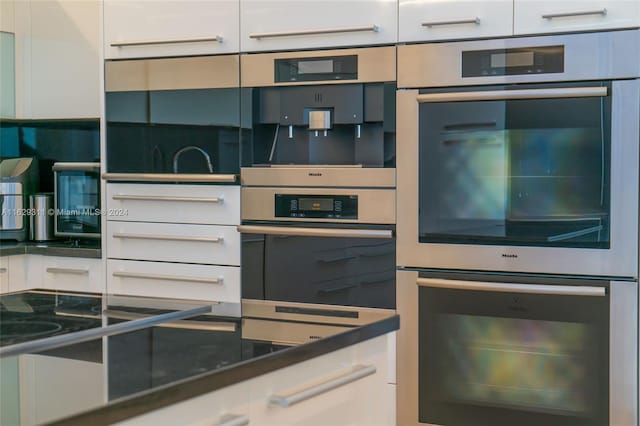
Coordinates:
x,y
505,95
558,290
315,232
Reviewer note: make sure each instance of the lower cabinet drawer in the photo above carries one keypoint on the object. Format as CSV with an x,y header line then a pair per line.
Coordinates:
x,y
4,274
73,273
174,280
169,242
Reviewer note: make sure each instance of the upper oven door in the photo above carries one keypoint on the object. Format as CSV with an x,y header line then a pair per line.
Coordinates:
x,y
522,178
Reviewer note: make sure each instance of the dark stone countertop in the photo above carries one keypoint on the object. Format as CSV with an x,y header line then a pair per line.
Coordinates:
x,y
87,249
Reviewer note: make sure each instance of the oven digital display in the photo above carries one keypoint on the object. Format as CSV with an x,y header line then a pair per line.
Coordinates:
x,y
316,206
516,61
315,67
325,68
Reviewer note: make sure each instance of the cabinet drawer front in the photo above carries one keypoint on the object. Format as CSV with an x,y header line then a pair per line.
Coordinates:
x,y
454,19
293,24
139,29
534,17
4,274
175,280
198,204
74,274
168,242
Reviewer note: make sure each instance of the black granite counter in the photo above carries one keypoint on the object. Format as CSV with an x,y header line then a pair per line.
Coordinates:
x,y
88,249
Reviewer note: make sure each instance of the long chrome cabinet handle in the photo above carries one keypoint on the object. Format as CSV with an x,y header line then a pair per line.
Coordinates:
x,y
602,12
475,21
315,232
123,235
168,277
181,324
216,38
233,420
337,30
356,373
168,177
54,270
216,200
559,290
503,95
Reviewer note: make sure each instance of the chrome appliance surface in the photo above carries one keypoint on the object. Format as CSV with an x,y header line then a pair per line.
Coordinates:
x,y
19,178
612,62
41,220
620,328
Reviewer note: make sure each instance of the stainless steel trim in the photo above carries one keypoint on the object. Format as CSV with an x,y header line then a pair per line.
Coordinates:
x,y
336,30
357,372
96,333
74,271
216,38
497,95
475,20
407,389
233,420
288,333
315,232
160,277
558,290
70,166
168,177
125,235
602,12
181,324
3,270
353,176
215,200
623,353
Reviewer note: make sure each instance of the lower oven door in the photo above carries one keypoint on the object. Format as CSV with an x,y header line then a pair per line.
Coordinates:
x,y
525,351
324,264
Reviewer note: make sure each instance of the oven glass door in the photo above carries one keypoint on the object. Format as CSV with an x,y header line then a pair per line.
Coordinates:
x,y
525,165
506,357
334,270
78,202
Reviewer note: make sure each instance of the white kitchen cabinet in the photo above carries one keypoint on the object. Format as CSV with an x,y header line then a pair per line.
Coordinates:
x,y
358,391
427,20
72,274
269,25
219,407
4,274
147,28
550,16
168,203
174,280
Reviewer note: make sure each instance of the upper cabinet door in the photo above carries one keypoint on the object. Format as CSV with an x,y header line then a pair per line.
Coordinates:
x,y
146,28
549,16
268,25
424,20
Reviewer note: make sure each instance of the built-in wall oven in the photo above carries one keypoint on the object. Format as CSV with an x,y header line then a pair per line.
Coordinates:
x,y
520,154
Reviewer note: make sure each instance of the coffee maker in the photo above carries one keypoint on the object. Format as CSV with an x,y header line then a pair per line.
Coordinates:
x,y
19,178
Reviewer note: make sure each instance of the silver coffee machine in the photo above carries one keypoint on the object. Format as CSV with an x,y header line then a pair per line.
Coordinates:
x,y
18,179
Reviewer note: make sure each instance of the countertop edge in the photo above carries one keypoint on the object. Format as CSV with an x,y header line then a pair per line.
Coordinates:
x,y
208,382
50,249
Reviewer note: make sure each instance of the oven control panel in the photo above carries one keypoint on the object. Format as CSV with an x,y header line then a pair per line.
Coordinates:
x,y
316,206
517,61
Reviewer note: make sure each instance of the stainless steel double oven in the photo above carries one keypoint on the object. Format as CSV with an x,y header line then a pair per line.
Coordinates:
x,y
518,231
318,184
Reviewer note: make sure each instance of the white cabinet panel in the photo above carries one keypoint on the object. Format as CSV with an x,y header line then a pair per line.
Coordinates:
x,y
197,204
365,400
176,280
268,25
7,16
65,64
72,273
426,20
549,16
4,274
147,28
168,242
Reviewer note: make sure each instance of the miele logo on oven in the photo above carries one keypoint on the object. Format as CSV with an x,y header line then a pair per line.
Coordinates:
x,y
509,256
315,174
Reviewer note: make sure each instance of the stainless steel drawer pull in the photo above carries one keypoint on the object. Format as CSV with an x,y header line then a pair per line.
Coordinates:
x,y
559,290
315,232
337,30
216,200
233,420
475,21
3,270
54,270
168,277
216,38
168,177
169,238
602,12
181,324
503,95
356,373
